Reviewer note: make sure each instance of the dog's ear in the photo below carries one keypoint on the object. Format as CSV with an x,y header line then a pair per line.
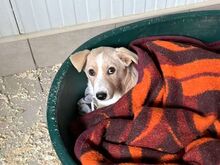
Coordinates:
x,y
126,56
78,59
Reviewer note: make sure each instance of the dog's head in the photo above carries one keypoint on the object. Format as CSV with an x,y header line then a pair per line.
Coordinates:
x,y
109,71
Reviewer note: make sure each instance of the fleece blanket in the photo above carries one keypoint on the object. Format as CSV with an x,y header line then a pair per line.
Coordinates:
x,y
171,116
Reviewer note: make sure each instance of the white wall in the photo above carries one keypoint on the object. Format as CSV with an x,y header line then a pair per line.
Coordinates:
x,y
37,15
7,21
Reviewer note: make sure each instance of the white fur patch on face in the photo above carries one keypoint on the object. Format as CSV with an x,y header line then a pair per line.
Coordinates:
x,y
105,103
98,83
90,87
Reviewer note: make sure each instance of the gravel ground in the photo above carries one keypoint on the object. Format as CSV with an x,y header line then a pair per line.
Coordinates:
x,y
24,137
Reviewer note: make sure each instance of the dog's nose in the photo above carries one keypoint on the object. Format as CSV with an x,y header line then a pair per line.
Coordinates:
x,y
101,95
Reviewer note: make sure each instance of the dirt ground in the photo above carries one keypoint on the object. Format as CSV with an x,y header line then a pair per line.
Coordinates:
x,y
24,137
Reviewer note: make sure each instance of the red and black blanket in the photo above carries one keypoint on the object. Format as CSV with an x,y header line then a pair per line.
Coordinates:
x,y
171,116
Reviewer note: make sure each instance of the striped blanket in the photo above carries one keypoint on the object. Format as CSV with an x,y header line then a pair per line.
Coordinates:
x,y
171,116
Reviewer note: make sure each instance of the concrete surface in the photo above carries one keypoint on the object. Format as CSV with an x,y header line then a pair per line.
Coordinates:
x,y
24,137
56,48
15,57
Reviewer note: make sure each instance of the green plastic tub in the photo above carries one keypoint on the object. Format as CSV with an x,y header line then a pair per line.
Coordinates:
x,y
68,86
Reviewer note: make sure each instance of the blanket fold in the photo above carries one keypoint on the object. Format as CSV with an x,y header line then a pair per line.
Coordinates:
x,y
171,116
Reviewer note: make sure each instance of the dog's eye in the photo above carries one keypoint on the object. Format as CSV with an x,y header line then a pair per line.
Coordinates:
x,y
91,72
111,70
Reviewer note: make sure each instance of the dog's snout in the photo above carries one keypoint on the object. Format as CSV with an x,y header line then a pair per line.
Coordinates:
x,y
101,95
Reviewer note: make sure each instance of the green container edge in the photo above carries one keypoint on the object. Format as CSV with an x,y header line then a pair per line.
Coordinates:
x,y
52,124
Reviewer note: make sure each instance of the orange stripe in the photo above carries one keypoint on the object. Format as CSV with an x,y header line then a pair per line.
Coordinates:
x,y
140,92
202,123
159,96
166,92
105,115
91,157
171,46
93,136
174,137
135,152
153,122
168,157
217,127
192,68
199,85
197,143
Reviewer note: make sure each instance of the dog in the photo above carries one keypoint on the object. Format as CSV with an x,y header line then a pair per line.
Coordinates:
x,y
110,71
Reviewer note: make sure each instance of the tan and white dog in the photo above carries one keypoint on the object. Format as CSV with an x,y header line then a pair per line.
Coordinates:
x,y
110,71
